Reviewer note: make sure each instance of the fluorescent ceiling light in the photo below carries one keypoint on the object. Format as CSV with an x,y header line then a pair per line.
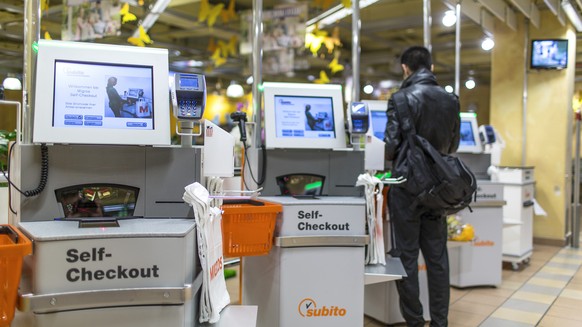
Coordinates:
x,y
470,84
449,89
572,14
334,14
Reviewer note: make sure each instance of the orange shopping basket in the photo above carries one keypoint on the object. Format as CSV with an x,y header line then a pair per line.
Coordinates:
x,y
13,247
248,227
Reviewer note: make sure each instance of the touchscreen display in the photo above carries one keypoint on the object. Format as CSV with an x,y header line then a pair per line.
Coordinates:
x,y
101,95
379,120
304,117
467,136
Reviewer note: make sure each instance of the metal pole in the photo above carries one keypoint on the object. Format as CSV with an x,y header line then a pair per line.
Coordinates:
x,y
575,239
524,97
458,49
427,25
31,34
257,59
356,23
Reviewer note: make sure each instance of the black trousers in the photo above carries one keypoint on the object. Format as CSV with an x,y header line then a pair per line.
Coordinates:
x,y
416,229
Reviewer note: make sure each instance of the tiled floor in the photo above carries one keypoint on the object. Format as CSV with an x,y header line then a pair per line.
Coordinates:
x,y
547,292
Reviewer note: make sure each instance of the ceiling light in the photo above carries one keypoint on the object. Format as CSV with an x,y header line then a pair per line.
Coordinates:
x,y
250,80
449,89
234,90
368,89
450,18
12,83
470,84
572,14
332,15
487,44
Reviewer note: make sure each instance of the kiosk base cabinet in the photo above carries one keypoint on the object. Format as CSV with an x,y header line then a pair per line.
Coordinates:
x,y
314,275
143,273
306,287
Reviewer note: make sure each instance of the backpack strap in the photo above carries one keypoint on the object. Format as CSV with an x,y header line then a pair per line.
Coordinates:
x,y
405,117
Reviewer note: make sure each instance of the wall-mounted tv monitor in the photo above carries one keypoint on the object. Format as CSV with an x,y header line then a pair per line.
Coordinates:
x,y
304,116
378,118
89,93
549,54
469,134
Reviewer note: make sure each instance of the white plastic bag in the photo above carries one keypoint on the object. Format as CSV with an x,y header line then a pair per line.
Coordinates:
x,y
214,296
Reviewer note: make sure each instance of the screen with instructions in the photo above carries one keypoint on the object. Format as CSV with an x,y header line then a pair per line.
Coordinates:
x,y
101,95
304,117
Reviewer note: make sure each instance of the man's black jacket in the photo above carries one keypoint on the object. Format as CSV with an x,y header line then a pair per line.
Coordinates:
x,y
434,110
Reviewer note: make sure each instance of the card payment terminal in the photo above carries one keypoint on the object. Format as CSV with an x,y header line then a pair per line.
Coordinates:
x,y
188,94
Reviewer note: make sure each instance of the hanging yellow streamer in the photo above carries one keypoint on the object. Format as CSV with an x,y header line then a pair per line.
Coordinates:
x,y
217,58
228,49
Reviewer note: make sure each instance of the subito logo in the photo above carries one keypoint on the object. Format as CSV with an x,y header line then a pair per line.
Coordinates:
x,y
308,308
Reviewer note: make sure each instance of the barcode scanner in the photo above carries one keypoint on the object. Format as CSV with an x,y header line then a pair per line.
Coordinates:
x,y
241,118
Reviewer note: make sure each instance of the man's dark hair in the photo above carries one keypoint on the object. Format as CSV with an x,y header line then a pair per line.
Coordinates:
x,y
416,57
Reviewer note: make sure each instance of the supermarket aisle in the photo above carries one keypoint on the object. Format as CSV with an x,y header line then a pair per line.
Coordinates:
x,y
547,292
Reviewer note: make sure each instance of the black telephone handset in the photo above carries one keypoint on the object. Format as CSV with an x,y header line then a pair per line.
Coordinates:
x,y
241,117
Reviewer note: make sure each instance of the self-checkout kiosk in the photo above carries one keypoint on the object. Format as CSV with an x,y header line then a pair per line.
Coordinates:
x,y
314,275
114,243
479,262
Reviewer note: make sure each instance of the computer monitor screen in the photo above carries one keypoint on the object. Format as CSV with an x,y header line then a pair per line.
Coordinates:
x,y
306,116
549,54
90,93
378,117
469,134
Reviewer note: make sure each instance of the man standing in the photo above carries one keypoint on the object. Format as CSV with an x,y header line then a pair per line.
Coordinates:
x,y
115,100
435,115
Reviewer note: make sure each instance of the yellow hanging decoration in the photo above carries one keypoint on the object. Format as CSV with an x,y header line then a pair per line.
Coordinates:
x,y
126,16
44,5
217,59
314,40
228,49
323,79
332,41
208,12
335,66
211,45
142,40
229,14
47,36
347,3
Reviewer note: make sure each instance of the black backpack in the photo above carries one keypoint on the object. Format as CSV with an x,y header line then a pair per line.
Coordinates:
x,y
439,182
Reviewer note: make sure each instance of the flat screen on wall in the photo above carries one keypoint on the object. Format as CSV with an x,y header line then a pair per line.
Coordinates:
x,y
90,93
549,54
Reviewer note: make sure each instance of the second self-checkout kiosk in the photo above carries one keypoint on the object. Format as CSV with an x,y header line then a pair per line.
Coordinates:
x,y
114,242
